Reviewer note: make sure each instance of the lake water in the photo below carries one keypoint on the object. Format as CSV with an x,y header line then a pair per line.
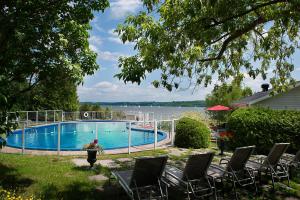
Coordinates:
x,y
163,112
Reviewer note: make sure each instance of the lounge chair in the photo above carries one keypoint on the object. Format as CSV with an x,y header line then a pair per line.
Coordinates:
x,y
292,161
271,164
144,181
234,170
193,180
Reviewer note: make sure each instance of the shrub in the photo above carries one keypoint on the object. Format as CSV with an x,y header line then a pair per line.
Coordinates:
x,y
264,127
201,117
191,133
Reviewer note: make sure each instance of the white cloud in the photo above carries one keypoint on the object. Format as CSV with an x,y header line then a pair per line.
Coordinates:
x,y
106,86
106,55
95,40
115,38
94,48
118,91
109,56
121,8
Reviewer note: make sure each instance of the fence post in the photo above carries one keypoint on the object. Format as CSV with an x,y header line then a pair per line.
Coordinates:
x,y
23,139
173,132
62,115
111,115
155,134
46,117
129,137
58,138
144,118
96,131
37,117
27,116
54,116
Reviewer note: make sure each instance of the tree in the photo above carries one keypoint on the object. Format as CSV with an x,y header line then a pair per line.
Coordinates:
x,y
42,40
197,39
225,94
46,96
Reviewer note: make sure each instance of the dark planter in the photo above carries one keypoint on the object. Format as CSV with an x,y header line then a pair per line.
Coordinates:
x,y
222,145
92,156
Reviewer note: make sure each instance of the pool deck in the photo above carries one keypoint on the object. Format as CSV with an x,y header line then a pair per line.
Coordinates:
x,y
160,145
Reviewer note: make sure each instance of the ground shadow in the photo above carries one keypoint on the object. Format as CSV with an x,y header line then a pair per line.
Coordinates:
x,y
11,179
82,191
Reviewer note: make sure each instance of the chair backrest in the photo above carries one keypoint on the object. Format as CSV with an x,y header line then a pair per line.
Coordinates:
x,y
197,165
147,171
276,153
297,157
239,158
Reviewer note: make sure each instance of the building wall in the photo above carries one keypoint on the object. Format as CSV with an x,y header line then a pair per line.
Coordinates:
x,y
288,101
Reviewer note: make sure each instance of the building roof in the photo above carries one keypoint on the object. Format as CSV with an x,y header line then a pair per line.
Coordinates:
x,y
257,97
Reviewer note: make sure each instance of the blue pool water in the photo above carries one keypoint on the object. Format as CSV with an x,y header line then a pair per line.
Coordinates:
x,y
111,135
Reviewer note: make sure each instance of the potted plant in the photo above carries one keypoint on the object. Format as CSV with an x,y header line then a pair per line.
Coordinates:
x,y
222,141
92,149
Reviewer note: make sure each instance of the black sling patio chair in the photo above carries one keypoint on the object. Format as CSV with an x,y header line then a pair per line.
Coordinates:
x,y
292,161
234,170
271,165
145,180
193,179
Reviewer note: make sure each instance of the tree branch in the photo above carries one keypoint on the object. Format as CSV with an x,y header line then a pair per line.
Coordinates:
x,y
233,36
216,23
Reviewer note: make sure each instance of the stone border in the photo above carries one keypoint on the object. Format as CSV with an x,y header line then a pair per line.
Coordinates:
x,y
160,145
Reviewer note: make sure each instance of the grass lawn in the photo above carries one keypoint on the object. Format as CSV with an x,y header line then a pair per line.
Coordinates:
x,y
50,177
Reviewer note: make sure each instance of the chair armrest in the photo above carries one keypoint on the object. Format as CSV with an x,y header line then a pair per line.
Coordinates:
x,y
259,158
287,157
224,161
169,173
164,181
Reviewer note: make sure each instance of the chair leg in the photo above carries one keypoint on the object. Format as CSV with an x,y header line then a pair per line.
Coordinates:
x,y
273,182
234,189
215,189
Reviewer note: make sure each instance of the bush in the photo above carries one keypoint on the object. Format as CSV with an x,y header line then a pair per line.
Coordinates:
x,y
201,117
264,127
191,133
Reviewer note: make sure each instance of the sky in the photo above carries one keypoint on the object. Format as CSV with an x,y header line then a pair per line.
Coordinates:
x,y
104,87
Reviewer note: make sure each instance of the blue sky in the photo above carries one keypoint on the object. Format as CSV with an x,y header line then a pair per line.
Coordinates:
x,y
102,86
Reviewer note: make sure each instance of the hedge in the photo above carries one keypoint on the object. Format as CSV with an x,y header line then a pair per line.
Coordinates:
x,y
264,127
191,133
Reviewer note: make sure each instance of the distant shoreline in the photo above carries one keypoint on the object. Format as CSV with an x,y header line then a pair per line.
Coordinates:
x,y
200,103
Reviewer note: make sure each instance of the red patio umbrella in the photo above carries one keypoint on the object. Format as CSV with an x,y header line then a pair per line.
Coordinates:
x,y
218,108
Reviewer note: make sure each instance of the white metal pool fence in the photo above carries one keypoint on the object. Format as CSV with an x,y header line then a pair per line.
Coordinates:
x,y
53,116
166,126
29,120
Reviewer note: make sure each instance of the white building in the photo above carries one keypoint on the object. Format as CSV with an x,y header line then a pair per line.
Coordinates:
x,y
289,100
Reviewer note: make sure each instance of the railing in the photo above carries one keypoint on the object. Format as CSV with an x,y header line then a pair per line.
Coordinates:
x,y
33,118
29,120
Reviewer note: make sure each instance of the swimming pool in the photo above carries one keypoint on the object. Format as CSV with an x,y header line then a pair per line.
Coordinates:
x,y
111,135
